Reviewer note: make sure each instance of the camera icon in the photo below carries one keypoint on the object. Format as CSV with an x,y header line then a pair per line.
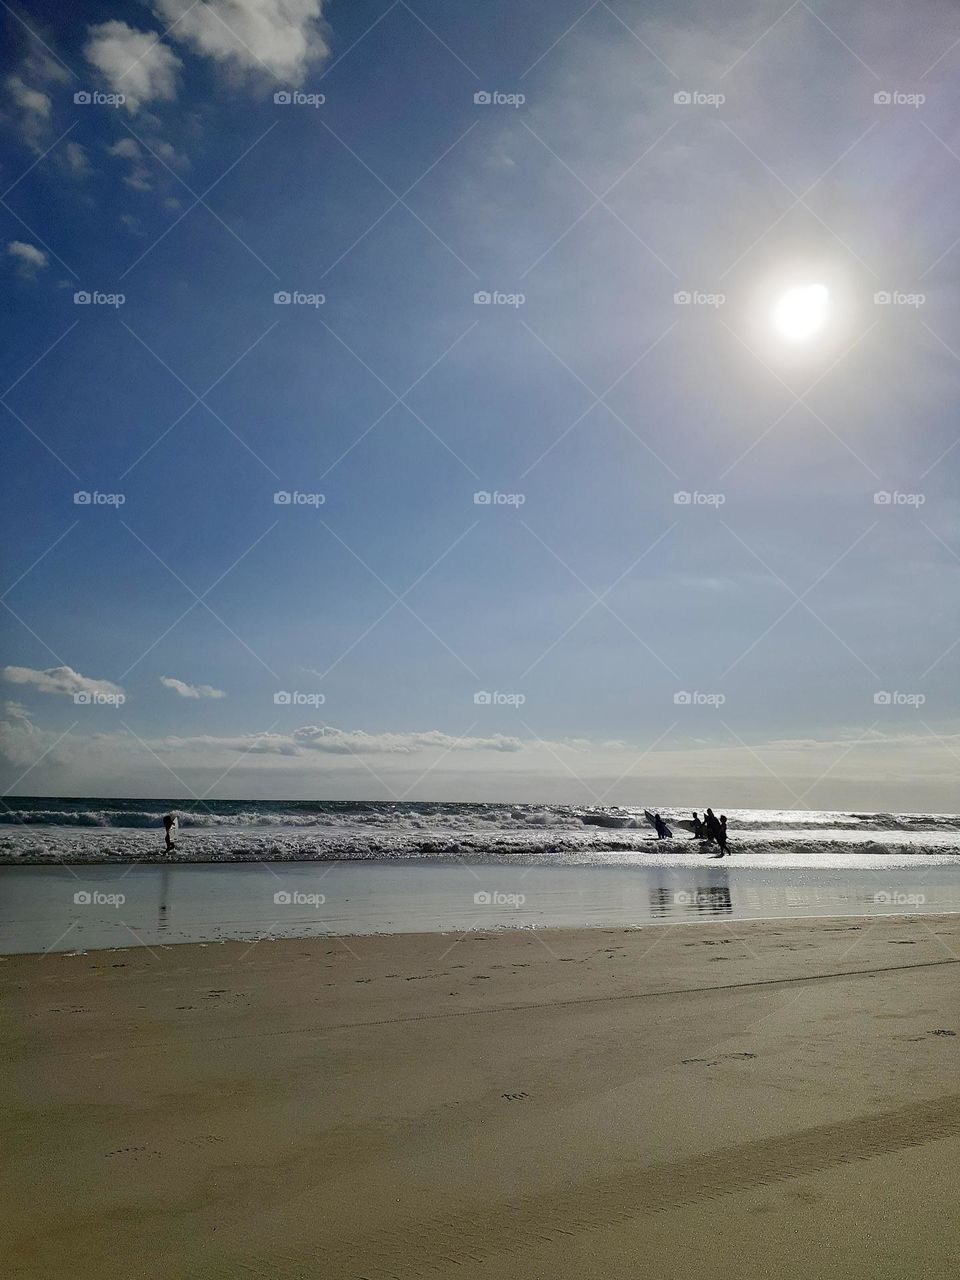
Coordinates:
x,y
482,899
82,898
482,98
83,699
282,698
282,298
282,498
81,298
282,98
682,298
682,99
81,98
482,298
882,896
482,498
482,699
882,99
682,498
82,498
282,898
682,698
882,299
883,498
883,699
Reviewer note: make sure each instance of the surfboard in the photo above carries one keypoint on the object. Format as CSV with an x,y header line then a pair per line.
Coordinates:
x,y
652,820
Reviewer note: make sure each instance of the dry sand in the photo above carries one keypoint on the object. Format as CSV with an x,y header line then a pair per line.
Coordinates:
x,y
775,1099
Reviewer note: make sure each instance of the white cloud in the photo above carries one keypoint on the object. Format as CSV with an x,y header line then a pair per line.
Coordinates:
x,y
59,680
125,147
276,38
34,101
28,255
75,158
191,690
26,87
134,63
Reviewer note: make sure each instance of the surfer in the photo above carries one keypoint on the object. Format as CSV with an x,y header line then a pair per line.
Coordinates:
x,y
663,831
722,834
697,827
169,827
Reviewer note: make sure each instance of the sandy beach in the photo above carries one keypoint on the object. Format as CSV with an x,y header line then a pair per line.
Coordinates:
x,y
750,1099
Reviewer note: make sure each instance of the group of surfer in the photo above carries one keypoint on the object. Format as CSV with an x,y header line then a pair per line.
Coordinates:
x,y
709,828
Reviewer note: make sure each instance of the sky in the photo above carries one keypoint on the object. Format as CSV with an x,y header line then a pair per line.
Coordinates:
x,y
395,403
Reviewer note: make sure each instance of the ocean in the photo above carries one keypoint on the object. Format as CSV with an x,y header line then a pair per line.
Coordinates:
x,y
36,830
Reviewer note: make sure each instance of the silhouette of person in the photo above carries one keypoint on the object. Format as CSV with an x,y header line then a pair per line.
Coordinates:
x,y
722,834
697,827
663,831
169,825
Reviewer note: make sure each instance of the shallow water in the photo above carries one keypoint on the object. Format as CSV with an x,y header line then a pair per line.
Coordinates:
x,y
88,907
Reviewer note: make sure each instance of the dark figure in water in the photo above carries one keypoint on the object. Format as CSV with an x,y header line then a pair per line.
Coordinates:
x,y
698,832
168,821
663,831
722,834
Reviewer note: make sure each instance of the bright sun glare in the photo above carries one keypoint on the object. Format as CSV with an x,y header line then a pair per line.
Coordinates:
x,y
801,312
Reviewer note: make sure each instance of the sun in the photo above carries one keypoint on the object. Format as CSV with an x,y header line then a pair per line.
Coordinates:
x,y
801,312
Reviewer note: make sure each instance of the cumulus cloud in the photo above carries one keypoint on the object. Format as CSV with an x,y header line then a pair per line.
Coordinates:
x,y
33,101
60,680
134,63
191,690
27,91
75,159
29,256
276,38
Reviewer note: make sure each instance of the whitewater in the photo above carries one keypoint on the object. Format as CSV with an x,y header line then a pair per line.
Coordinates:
x,y
40,830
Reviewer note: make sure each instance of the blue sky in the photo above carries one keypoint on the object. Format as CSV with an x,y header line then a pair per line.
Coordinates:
x,y
783,597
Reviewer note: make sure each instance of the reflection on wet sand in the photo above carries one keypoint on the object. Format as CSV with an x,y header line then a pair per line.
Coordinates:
x,y
707,893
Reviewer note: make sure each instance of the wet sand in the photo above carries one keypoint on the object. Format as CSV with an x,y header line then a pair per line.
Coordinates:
x,y
748,1099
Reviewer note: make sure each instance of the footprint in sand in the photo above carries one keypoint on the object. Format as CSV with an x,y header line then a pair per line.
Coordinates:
x,y
941,1031
514,1097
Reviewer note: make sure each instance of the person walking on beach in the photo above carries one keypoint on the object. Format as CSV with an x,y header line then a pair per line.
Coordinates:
x,y
169,827
715,832
697,827
663,831
722,834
